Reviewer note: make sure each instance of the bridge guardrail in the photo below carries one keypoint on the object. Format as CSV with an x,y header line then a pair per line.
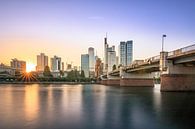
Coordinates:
x,y
188,48
182,50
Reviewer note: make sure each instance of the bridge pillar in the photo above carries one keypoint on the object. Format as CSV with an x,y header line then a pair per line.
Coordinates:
x,y
136,79
113,80
104,82
177,77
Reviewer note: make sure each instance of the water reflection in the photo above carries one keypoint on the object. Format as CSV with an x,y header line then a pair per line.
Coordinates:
x,y
31,102
94,107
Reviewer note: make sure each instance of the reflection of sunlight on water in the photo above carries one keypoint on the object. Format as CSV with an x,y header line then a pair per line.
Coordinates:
x,y
156,87
99,93
6,98
72,102
157,97
31,102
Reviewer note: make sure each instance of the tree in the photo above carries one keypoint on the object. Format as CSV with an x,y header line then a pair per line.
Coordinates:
x,y
119,66
61,73
47,72
82,74
113,67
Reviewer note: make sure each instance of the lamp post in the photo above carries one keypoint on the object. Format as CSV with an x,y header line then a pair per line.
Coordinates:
x,y
163,36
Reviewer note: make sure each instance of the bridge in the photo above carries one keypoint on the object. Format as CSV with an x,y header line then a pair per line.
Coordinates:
x,y
176,70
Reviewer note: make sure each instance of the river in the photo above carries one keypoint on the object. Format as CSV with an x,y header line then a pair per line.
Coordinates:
x,y
94,107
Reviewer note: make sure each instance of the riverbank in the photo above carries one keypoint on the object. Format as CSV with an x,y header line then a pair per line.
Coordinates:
x,y
70,83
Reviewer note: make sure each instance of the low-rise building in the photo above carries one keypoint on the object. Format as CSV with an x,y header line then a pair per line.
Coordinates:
x,y
6,71
19,65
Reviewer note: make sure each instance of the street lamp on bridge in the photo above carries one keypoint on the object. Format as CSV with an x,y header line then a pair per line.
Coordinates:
x,y
163,36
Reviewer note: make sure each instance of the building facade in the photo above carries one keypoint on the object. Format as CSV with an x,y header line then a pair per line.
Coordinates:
x,y
91,59
98,68
85,64
19,65
6,71
129,52
126,53
111,60
42,61
109,53
55,64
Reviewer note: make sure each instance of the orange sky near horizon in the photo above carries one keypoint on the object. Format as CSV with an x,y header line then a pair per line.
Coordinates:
x,y
28,49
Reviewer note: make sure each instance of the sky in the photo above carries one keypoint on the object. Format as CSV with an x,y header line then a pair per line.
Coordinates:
x,y
67,28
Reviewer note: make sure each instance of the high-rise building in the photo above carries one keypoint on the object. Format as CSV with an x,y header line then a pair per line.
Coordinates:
x,y
111,60
18,65
85,64
98,68
55,64
42,61
117,61
105,55
63,66
108,53
91,59
129,51
126,53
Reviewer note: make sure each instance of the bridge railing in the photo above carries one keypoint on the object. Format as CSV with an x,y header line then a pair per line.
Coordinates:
x,y
188,48
152,59
182,50
146,61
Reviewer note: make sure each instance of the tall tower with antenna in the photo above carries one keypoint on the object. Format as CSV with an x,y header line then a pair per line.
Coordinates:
x,y
105,54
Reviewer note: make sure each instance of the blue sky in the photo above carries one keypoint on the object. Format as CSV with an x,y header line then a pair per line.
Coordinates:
x,y
68,27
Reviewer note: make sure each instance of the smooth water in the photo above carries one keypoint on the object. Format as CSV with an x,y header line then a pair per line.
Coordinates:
x,y
94,107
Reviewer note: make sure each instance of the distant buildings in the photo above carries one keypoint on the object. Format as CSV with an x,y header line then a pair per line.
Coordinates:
x,y
98,68
126,53
109,56
19,65
68,67
85,64
55,64
91,59
63,66
111,60
42,61
117,61
6,71
91,62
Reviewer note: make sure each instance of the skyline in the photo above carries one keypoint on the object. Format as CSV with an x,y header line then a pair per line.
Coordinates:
x,y
68,28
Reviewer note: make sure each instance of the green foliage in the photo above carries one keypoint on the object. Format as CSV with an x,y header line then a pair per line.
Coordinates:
x,y
73,75
47,72
82,74
61,73
113,67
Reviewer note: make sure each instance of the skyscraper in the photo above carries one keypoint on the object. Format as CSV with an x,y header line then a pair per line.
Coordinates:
x,y
55,64
18,65
109,53
129,46
85,64
111,60
91,59
105,54
42,61
98,68
126,53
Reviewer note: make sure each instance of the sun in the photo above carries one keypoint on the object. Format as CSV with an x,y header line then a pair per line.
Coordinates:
x,y
30,67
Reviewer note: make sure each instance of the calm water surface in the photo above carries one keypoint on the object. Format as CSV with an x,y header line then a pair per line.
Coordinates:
x,y
94,107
